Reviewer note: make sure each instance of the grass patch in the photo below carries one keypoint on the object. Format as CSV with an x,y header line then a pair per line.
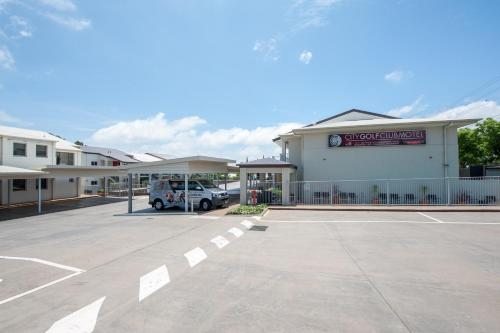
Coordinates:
x,y
248,210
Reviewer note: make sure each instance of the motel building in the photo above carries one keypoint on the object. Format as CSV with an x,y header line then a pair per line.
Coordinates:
x,y
359,157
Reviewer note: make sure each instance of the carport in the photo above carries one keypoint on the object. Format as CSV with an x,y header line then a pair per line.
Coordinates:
x,y
281,172
184,166
8,173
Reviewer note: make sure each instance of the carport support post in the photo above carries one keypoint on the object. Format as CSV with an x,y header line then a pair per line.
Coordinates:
x,y
243,186
285,187
186,197
39,180
225,181
130,193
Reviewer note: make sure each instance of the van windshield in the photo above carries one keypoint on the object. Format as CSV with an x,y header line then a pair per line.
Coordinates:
x,y
207,183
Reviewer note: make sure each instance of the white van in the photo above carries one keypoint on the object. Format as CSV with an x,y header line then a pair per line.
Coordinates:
x,y
170,193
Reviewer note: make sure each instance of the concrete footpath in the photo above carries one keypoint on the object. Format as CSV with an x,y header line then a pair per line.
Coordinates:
x,y
390,208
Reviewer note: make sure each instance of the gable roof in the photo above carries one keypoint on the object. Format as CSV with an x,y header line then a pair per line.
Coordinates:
x,y
380,115
109,152
23,133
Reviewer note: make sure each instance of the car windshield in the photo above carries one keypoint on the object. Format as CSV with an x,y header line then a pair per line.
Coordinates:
x,y
207,184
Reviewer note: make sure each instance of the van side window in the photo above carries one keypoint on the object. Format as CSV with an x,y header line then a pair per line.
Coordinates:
x,y
194,186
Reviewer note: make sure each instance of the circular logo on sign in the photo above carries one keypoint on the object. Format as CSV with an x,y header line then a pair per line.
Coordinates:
x,y
335,140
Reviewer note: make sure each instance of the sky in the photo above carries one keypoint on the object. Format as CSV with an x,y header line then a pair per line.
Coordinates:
x,y
222,77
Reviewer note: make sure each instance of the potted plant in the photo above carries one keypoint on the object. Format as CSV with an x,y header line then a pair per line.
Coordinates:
x,y
375,199
423,190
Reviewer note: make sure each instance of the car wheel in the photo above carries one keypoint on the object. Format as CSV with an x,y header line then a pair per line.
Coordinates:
x,y
205,204
158,204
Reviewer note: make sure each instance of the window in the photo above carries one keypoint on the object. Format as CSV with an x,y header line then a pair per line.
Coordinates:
x,y
18,185
44,184
41,151
93,182
65,158
19,149
71,180
93,163
194,186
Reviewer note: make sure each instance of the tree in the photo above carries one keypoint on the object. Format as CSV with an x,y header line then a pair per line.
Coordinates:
x,y
78,143
481,144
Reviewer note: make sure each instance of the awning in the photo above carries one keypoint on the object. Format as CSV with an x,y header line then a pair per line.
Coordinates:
x,y
8,172
83,171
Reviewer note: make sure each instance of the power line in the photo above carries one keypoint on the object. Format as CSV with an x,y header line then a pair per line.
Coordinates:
x,y
482,87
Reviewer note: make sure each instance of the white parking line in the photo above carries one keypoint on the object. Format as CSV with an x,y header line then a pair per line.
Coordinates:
x,y
81,321
45,262
257,217
236,232
195,256
219,241
152,281
247,224
410,222
76,271
205,217
430,217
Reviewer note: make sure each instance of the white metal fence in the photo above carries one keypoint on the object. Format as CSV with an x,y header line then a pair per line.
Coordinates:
x,y
423,191
115,190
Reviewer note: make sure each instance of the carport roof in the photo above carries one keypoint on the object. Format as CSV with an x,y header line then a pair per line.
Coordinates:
x,y
265,163
8,172
190,164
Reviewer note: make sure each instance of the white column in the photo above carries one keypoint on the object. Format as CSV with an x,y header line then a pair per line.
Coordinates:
x,y
186,196
39,180
285,186
243,186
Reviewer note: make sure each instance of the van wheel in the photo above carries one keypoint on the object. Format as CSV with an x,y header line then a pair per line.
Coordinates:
x,y
158,204
205,204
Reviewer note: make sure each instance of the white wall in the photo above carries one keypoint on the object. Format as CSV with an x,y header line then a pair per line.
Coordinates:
x,y
404,161
30,161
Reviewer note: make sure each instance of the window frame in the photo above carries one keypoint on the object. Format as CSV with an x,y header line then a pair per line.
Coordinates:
x,y
14,149
44,182
22,188
46,151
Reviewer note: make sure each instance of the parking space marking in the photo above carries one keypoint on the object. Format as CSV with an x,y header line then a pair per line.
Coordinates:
x,y
257,217
45,262
374,222
153,281
76,271
430,217
236,232
195,256
81,321
220,241
205,217
247,224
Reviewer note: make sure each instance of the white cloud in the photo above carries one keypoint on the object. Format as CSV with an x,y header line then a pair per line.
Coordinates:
x,y
7,118
72,23
61,5
305,57
6,59
398,76
414,107
18,27
184,137
267,49
311,13
478,109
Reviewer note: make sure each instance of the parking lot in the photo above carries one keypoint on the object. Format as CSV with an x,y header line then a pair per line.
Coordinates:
x,y
92,269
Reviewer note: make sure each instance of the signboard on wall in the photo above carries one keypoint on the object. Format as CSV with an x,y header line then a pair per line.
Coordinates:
x,y
384,138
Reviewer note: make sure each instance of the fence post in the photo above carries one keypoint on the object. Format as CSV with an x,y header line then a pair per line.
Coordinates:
x,y
387,199
448,191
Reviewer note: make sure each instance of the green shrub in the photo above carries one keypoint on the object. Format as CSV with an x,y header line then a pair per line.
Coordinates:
x,y
248,209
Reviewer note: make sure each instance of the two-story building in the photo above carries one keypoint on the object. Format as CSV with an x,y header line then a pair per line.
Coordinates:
x,y
34,150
